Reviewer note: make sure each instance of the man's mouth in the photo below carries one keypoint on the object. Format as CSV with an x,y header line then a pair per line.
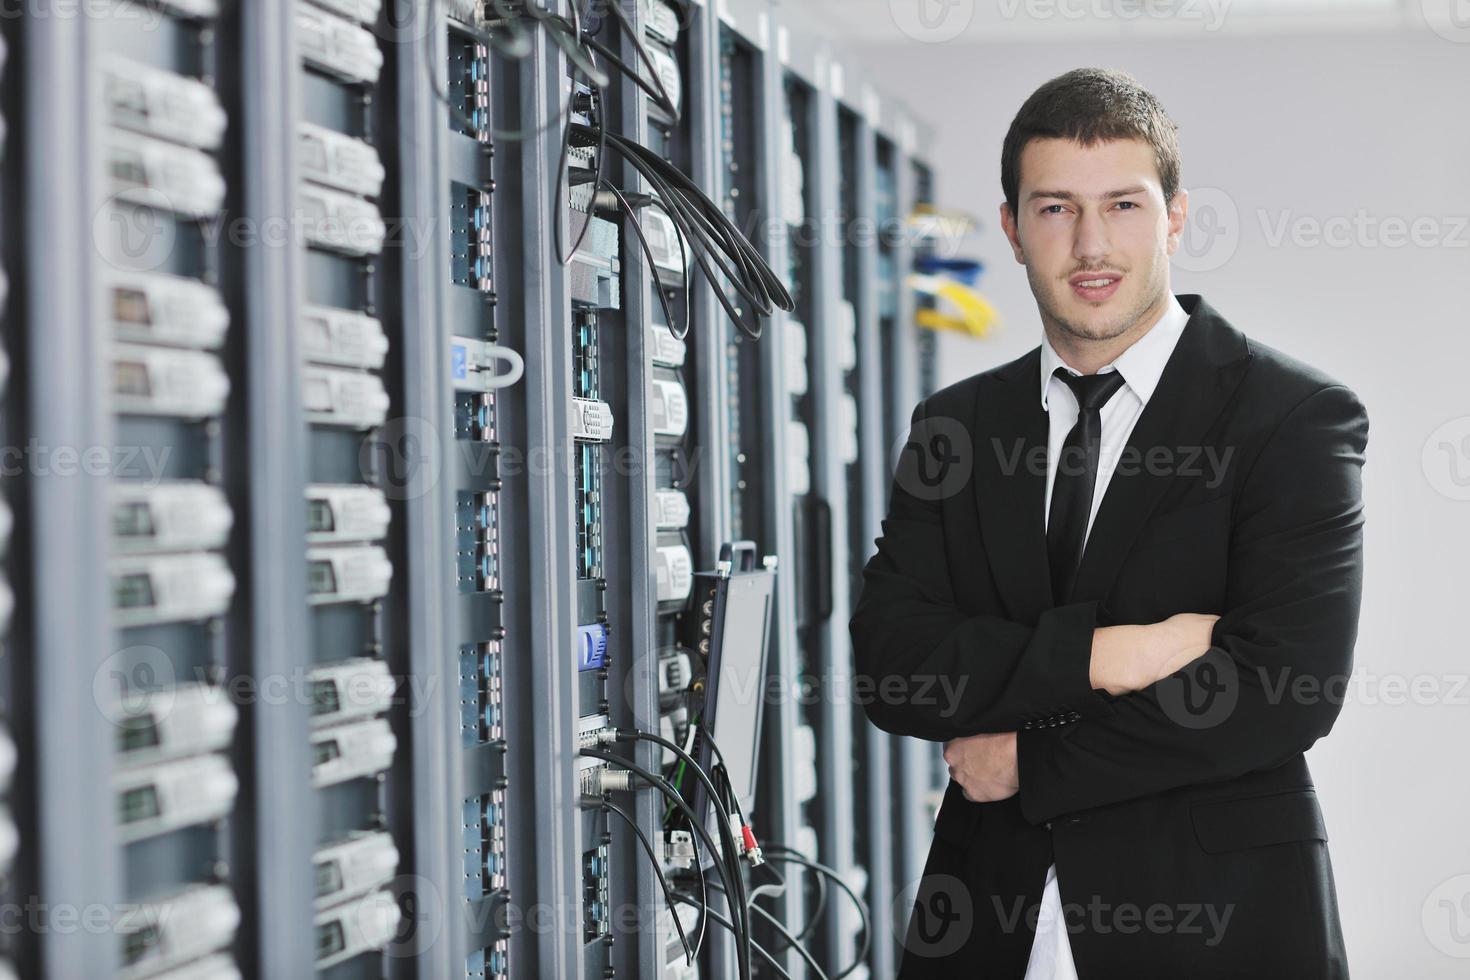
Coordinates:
x,y
1095,286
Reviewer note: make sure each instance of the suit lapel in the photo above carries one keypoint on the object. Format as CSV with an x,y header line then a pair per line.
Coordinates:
x,y
1207,363
1011,442
1010,484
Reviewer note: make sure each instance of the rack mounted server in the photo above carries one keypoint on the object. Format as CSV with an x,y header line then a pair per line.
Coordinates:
x,y
374,458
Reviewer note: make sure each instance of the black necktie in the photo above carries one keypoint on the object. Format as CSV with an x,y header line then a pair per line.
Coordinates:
x,y
1071,494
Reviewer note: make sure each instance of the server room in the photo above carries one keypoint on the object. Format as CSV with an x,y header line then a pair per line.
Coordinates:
x,y
734,489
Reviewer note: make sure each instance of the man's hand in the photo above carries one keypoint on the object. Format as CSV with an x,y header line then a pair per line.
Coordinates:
x,y
984,766
1130,658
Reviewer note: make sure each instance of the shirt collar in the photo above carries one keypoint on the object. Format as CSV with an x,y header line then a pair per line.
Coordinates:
x,y
1141,365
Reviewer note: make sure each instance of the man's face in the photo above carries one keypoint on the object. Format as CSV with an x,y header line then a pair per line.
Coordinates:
x,y
1094,233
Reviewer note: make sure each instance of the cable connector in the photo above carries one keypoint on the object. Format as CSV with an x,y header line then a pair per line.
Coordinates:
x,y
595,782
679,849
607,202
750,848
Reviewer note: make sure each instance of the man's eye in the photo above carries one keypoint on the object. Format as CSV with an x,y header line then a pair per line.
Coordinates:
x,y
1052,209
1127,204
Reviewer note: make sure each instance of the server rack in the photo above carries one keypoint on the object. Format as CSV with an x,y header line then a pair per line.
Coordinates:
x,y
476,821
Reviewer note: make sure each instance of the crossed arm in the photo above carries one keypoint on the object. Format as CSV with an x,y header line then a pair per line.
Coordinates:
x,y
1289,625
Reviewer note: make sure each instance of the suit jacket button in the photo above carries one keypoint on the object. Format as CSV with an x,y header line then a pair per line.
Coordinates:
x,y
1048,825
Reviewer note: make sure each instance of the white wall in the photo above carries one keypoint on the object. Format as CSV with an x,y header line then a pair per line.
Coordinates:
x,y
1311,127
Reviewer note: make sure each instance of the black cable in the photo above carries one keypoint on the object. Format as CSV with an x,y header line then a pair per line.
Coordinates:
x,y
660,96
624,734
714,236
778,852
657,869
596,110
818,908
518,48
658,288
731,851
792,942
664,100
724,769
711,233
683,260
726,863
565,35
703,890
721,920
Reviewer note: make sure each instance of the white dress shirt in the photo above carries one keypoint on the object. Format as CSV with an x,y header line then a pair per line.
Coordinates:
x,y
1141,365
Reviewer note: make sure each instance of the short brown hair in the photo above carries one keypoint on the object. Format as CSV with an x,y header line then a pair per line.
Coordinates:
x,y
1090,105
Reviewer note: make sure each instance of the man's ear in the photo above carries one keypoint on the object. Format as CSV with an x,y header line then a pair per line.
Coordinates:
x,y
1013,235
1178,216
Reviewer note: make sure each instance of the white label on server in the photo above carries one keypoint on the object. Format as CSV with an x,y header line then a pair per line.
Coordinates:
x,y
798,458
162,309
338,160
674,571
795,348
670,409
846,336
330,335
672,507
347,398
847,428
664,347
592,420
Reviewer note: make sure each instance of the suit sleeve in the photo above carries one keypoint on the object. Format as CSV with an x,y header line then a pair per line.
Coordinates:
x,y
928,669
1264,692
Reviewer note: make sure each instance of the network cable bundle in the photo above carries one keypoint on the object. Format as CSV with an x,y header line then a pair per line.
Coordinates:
x,y
452,438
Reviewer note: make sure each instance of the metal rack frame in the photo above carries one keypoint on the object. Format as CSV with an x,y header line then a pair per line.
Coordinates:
x,y
63,800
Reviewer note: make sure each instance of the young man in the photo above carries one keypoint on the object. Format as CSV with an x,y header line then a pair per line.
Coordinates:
x,y
1134,555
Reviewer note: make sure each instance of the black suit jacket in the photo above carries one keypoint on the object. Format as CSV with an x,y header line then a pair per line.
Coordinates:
x,y
1182,819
